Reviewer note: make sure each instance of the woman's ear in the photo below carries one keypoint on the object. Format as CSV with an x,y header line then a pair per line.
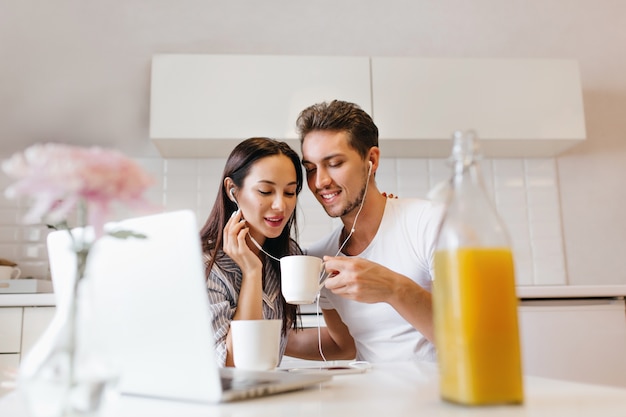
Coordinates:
x,y
230,188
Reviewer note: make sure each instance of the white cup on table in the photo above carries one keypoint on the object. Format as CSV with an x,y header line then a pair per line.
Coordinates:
x,y
256,344
9,272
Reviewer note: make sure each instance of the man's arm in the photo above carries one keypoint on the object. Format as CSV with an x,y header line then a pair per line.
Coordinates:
x,y
336,341
414,303
368,282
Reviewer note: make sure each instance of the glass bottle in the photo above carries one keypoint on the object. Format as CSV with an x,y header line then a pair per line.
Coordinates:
x,y
474,298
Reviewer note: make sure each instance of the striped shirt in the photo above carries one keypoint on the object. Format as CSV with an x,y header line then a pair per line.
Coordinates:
x,y
223,286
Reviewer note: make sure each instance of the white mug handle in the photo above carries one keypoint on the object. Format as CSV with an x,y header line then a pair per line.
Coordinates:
x,y
19,272
323,275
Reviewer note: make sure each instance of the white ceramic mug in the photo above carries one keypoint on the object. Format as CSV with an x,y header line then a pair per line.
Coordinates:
x,y
256,343
9,272
300,278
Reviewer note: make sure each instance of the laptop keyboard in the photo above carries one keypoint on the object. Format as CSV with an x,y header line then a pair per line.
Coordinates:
x,y
237,383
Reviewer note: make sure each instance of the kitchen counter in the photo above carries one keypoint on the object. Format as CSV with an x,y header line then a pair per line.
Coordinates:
x,y
523,292
528,292
571,291
576,333
395,389
27,300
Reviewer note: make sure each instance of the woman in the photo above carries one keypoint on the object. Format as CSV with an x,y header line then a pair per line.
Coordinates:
x,y
248,230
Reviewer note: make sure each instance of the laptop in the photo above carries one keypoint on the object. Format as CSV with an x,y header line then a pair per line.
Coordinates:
x,y
152,312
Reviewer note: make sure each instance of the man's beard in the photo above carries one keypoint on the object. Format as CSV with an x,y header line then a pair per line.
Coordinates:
x,y
352,205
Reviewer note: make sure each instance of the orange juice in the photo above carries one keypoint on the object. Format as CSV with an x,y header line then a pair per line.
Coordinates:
x,y
476,330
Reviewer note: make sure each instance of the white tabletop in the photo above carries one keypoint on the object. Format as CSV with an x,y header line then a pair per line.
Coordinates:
x,y
405,389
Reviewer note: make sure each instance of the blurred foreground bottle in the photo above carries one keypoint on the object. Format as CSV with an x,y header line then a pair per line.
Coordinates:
x,y
474,299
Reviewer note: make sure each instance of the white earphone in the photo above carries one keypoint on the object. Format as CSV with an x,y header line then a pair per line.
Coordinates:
x,y
370,170
233,199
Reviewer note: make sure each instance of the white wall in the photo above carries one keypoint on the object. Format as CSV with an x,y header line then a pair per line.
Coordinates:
x,y
525,192
78,72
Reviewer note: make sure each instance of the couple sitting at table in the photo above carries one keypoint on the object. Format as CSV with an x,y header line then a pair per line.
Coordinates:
x,y
376,303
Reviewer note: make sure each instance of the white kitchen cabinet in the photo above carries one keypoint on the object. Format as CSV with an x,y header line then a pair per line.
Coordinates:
x,y
10,341
203,105
10,329
518,107
9,363
36,320
20,327
578,339
575,339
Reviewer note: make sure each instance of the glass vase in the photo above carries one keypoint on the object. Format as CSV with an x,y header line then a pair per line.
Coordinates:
x,y
69,371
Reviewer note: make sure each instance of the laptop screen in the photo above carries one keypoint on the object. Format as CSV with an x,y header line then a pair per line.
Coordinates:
x,y
150,304
151,312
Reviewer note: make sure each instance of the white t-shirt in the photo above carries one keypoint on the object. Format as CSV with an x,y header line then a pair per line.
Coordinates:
x,y
404,243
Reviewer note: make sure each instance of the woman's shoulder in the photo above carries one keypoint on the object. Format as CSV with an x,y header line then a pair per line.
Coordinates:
x,y
223,267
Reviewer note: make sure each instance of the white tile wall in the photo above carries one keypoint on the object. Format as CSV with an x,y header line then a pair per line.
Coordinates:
x,y
525,192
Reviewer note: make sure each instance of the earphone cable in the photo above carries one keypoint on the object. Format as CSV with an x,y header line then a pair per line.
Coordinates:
x,y
352,229
325,274
261,249
319,330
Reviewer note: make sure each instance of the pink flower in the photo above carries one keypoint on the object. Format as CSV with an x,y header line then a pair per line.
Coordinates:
x,y
59,176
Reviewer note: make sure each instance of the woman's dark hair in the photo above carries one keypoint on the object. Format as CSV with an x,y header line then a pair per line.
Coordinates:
x,y
340,116
237,167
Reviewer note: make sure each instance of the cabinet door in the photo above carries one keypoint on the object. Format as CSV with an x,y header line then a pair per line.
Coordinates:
x,y
518,107
9,365
10,329
580,340
36,320
202,105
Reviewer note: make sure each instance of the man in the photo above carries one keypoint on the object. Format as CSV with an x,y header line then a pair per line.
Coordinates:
x,y
376,302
